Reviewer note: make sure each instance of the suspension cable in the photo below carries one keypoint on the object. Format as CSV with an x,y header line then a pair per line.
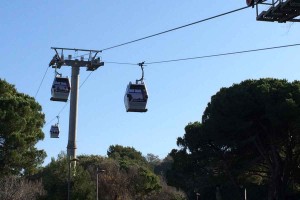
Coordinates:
x,y
179,27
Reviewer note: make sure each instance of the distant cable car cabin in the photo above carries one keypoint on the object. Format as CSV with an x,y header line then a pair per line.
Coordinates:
x,y
136,95
60,89
54,131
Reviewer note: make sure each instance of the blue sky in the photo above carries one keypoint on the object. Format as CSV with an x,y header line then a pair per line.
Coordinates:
x,y
178,91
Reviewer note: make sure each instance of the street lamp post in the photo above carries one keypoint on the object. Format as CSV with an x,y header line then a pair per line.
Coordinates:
x,y
197,194
98,171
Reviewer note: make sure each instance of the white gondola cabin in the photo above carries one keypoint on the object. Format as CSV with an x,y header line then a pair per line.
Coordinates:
x,y
136,97
54,131
60,89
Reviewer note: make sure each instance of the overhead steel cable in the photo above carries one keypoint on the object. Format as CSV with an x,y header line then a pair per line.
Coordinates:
x,y
174,29
85,79
120,63
210,56
57,114
223,54
41,83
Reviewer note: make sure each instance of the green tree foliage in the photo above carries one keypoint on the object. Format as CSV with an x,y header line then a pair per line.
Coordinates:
x,y
134,182
21,122
114,182
83,187
141,177
249,136
145,182
257,124
166,192
55,178
118,179
119,152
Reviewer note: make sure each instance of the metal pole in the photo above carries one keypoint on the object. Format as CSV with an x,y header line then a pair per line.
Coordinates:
x,y
69,178
97,185
71,148
197,194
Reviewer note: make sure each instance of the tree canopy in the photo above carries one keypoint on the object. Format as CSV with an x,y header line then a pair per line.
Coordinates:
x,y
115,181
249,135
121,152
21,122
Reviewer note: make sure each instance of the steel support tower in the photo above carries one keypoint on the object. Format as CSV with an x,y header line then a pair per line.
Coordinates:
x,y
91,64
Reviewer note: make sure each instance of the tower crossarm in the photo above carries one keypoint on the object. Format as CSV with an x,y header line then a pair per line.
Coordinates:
x,y
278,11
91,63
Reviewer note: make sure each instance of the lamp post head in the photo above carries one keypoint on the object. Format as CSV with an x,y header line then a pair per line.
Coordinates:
x,y
100,170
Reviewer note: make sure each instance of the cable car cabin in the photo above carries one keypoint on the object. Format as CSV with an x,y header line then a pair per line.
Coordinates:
x,y
136,97
60,89
54,131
